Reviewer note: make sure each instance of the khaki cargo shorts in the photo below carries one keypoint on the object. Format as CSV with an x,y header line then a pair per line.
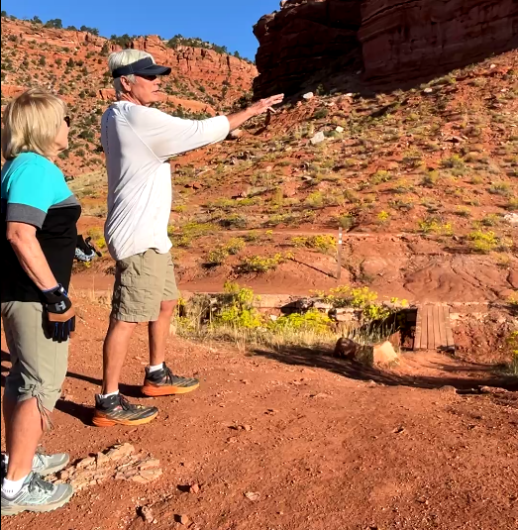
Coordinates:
x,y
39,365
142,283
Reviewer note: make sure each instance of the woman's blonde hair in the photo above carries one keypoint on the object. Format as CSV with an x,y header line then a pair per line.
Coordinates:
x,y
31,123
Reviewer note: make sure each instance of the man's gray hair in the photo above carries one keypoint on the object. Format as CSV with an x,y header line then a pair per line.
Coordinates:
x,y
123,58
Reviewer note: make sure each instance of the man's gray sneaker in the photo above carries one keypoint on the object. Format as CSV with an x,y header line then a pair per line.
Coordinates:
x,y
49,464
37,495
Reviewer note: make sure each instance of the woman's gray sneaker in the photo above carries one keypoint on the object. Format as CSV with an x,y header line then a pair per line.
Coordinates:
x,y
44,465
37,495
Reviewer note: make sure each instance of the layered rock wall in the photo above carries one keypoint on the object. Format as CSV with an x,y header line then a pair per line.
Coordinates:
x,y
198,62
198,65
302,38
391,41
419,38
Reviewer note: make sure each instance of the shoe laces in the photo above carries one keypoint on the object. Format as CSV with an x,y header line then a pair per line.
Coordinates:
x,y
40,454
38,484
169,376
124,403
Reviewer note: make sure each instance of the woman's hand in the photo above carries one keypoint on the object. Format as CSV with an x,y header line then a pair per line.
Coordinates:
x,y
60,315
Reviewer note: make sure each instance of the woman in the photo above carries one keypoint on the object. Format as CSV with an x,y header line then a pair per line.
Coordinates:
x,y
38,239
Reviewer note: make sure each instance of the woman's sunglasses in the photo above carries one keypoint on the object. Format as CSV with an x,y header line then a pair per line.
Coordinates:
x,y
67,120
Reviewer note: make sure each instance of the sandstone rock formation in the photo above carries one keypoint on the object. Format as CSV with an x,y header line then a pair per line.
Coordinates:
x,y
406,40
391,42
379,355
200,66
73,64
198,62
120,462
301,40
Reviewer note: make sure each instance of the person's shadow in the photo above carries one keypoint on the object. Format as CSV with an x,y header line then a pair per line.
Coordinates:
x,y
81,412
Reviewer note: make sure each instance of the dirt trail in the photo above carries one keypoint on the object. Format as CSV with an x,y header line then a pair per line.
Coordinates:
x,y
327,445
394,265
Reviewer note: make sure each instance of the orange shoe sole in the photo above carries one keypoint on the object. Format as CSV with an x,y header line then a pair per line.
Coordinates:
x,y
101,421
158,391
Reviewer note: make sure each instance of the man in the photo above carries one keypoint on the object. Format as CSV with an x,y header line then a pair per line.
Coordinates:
x,y
138,142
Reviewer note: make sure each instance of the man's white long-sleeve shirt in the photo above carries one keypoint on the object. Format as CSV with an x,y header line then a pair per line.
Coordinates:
x,y
138,142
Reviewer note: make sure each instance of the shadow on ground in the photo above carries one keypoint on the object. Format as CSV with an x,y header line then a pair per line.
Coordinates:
x,y
81,412
299,356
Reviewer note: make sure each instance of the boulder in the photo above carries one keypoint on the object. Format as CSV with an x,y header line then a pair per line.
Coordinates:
x,y
378,355
384,354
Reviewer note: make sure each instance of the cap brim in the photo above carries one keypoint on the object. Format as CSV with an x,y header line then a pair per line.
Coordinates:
x,y
155,69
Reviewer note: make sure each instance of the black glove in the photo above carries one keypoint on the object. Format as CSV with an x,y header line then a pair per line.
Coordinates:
x,y
60,315
85,250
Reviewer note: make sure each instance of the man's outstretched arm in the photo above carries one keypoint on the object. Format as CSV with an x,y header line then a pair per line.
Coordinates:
x,y
168,136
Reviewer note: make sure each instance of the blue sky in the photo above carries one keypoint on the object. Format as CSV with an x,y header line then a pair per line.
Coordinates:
x,y
224,22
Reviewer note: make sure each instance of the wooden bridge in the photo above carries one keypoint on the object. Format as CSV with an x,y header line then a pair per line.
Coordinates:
x,y
433,328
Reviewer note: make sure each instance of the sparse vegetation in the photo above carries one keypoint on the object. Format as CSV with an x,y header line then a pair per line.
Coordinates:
x,y
322,243
185,235
484,241
435,226
501,188
262,264
234,317
512,343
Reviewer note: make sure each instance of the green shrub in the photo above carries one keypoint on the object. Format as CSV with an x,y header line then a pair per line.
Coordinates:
x,y
312,321
484,241
189,232
238,311
361,298
315,200
435,226
380,177
321,243
453,162
320,114
217,257
501,188
235,246
97,235
383,217
512,343
430,180
234,221
413,158
345,221
491,220
261,264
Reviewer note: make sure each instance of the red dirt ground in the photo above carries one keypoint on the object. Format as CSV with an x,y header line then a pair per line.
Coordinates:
x,y
332,446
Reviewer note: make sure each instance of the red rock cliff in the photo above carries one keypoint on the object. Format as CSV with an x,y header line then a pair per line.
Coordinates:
x,y
302,39
198,62
413,39
391,41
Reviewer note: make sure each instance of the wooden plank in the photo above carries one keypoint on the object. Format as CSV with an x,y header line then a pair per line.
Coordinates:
x,y
437,317
424,336
418,329
449,332
443,317
431,332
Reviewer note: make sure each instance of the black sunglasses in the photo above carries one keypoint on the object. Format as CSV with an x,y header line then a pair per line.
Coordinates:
x,y
67,120
148,77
